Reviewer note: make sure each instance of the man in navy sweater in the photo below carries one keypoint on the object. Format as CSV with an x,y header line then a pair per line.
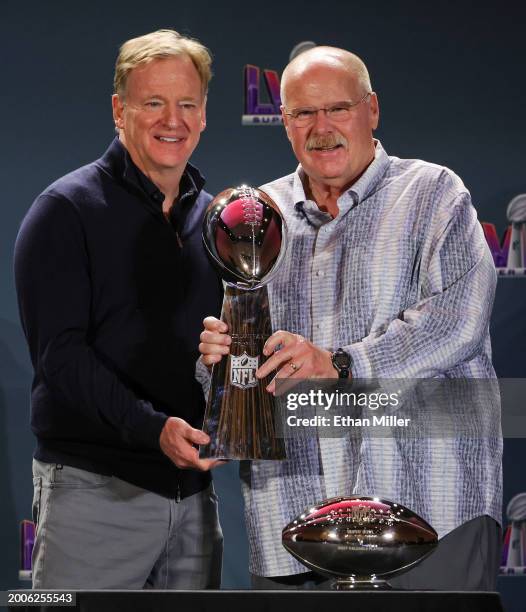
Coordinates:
x,y
113,284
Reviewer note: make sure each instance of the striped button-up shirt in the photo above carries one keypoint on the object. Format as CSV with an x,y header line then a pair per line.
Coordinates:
x,y
402,279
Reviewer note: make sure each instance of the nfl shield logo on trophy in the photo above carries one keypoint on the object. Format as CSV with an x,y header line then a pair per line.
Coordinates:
x,y
243,371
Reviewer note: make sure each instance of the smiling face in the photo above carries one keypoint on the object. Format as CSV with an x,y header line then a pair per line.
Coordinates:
x,y
333,153
162,114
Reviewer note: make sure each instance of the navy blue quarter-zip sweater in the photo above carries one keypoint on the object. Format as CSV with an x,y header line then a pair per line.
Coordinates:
x,y
112,296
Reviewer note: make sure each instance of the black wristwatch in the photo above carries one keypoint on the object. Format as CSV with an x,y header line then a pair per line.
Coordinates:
x,y
342,361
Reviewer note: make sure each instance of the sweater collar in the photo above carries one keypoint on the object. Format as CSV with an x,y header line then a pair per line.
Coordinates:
x,y
118,162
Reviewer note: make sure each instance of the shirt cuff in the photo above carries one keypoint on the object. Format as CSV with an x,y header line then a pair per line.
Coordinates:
x,y
361,366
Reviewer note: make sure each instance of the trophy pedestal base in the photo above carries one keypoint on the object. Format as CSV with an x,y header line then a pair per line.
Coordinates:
x,y
361,583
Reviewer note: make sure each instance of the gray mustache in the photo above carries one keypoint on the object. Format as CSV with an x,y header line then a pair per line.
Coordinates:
x,y
325,141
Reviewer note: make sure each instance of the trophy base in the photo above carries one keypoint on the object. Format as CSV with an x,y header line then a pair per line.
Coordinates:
x,y
274,453
360,583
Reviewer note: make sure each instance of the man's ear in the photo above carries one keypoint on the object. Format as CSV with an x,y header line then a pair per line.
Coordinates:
x,y
374,111
117,106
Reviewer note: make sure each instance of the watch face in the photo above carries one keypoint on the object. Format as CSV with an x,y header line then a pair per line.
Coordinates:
x,y
341,359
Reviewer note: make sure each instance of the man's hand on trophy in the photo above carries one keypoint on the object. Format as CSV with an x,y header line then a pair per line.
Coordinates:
x,y
294,357
178,440
215,342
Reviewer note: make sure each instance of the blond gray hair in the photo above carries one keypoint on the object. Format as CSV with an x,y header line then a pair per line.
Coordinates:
x,y
158,45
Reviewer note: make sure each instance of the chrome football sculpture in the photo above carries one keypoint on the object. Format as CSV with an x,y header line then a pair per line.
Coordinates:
x,y
244,235
359,540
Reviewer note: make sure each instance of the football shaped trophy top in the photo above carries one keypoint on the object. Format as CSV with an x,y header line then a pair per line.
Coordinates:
x,y
243,233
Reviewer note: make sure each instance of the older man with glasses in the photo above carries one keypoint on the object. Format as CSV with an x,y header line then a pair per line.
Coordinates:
x,y
387,275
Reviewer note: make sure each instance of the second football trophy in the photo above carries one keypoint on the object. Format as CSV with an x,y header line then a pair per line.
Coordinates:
x,y
245,237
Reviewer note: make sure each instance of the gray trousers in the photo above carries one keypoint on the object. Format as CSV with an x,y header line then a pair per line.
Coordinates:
x,y
467,559
99,532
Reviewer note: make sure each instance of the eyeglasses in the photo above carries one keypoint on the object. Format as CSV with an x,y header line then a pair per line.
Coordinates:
x,y
339,111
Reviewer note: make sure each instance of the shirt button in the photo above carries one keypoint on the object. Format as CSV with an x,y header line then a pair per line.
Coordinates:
x,y
320,273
